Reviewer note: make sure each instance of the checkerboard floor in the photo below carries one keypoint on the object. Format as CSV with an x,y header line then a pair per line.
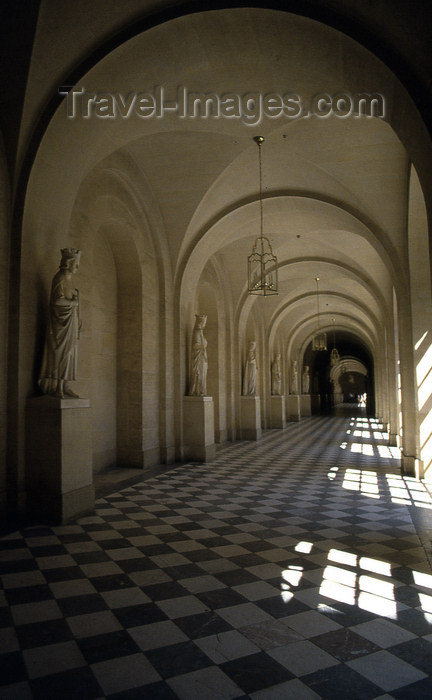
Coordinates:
x,y
288,568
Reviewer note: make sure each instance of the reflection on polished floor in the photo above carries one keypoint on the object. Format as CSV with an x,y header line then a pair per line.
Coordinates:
x,y
289,568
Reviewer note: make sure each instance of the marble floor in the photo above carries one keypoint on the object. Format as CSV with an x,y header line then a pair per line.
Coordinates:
x,y
293,567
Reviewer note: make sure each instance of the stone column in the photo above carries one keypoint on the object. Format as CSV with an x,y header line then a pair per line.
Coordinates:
x,y
293,407
250,418
277,405
59,458
198,428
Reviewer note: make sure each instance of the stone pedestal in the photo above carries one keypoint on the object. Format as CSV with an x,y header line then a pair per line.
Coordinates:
x,y
305,405
293,407
277,412
250,418
315,403
393,440
411,466
59,458
198,428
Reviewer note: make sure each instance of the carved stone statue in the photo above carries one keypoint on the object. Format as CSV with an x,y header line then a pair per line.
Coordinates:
x,y
199,364
294,378
249,379
276,376
306,380
60,356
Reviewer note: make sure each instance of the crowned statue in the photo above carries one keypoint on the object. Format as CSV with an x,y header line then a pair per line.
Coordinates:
x,y
250,372
59,365
199,364
294,378
276,376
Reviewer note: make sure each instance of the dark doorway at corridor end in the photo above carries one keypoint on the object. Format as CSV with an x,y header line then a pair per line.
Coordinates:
x,y
349,382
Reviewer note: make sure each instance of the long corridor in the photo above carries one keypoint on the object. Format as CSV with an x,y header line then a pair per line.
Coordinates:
x,y
293,567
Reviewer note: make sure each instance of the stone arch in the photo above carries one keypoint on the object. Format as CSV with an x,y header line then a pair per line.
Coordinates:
x,y
51,191
4,303
123,301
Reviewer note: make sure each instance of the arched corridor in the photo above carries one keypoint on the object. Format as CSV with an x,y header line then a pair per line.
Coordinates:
x,y
165,206
192,509
292,568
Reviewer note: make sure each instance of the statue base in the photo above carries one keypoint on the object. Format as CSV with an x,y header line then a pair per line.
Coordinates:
x,y
59,458
411,466
315,403
293,407
198,429
305,405
250,418
277,405
393,440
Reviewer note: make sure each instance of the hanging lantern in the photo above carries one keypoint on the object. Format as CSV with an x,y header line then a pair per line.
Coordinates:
x,y
334,355
319,341
262,263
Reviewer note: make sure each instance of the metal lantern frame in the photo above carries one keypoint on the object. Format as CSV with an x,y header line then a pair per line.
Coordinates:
x,y
319,340
262,263
334,355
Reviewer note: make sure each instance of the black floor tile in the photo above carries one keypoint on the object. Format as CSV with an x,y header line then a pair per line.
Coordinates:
x,y
417,652
95,557
344,614
340,683
221,598
236,577
155,550
116,543
81,604
183,571
177,659
277,607
12,567
136,564
5,618
255,672
414,621
247,560
111,582
153,691
107,646
168,537
12,668
202,625
50,632
69,685
258,545
407,596
74,538
66,573
345,645
53,550
135,615
163,591
422,690
28,594
201,555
